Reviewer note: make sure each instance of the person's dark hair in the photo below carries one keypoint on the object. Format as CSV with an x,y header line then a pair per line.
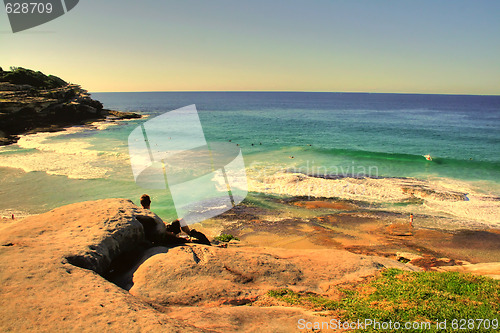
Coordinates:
x,y
145,201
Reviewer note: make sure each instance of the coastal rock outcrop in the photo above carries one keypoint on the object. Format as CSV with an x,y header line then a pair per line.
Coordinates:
x,y
202,275
55,267
33,102
49,267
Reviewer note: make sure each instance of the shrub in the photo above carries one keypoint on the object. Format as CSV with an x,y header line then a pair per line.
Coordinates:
x,y
20,75
226,238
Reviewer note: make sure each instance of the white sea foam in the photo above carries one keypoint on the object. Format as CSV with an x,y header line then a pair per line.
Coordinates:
x,y
73,158
101,125
478,206
440,196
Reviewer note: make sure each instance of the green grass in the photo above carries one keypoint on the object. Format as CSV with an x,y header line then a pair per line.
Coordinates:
x,y
288,296
226,238
395,295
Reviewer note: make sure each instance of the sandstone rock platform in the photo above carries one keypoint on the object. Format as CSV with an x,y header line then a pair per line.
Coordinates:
x,y
52,269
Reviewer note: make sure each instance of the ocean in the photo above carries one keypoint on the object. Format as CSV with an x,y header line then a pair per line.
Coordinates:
x,y
356,146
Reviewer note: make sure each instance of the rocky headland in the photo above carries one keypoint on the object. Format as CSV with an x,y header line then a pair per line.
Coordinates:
x,y
33,102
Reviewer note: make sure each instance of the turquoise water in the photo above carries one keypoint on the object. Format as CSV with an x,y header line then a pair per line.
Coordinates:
x,y
377,135
389,131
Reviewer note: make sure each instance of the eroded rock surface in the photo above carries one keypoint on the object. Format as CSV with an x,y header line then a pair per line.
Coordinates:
x,y
41,289
51,268
202,275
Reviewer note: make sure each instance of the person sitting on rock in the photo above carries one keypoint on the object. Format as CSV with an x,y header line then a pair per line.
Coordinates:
x,y
175,227
155,229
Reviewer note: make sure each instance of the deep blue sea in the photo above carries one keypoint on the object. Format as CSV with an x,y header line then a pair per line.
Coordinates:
x,y
376,135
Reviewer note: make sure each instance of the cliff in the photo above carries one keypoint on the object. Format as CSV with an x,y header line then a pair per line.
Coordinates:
x,y
32,102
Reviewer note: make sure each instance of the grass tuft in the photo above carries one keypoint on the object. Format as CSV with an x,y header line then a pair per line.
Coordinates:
x,y
396,295
226,238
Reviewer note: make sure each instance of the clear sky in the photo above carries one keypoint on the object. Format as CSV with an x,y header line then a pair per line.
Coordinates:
x,y
447,46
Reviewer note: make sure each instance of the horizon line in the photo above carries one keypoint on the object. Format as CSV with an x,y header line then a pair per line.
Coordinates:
x,y
292,91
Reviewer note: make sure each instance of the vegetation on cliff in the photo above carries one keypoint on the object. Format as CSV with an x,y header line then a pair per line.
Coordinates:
x,y
33,102
19,75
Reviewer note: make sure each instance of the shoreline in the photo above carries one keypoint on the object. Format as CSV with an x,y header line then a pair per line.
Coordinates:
x,y
106,115
326,223
345,225
464,204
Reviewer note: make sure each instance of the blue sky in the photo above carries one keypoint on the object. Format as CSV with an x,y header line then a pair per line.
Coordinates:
x,y
369,46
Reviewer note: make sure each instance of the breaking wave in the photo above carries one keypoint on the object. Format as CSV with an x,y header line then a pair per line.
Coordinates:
x,y
72,157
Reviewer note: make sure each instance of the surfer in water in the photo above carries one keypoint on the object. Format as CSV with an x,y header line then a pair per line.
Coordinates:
x,y
428,157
